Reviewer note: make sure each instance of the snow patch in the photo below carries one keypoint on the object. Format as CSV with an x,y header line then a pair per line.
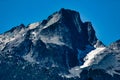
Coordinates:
x,y
74,72
29,58
66,75
34,25
83,53
54,65
23,67
110,63
54,40
34,34
91,57
89,60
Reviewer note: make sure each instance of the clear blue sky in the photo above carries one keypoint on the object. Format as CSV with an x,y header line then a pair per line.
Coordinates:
x,y
104,14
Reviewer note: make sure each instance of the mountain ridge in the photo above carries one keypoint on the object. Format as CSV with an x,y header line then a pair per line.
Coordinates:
x,y
57,44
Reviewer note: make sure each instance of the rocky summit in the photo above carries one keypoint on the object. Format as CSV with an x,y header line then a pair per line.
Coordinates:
x,y
61,47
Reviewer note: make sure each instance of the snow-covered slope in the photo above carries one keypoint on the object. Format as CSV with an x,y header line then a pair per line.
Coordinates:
x,y
93,57
106,59
111,61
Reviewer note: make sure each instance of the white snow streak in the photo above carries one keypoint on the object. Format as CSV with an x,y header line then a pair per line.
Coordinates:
x,y
91,57
82,53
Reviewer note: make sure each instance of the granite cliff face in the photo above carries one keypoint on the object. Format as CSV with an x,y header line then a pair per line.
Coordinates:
x,y
56,48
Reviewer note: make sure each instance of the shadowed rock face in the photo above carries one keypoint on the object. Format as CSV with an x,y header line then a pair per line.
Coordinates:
x,y
46,50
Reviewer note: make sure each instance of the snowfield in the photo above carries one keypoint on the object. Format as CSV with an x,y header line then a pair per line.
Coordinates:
x,y
92,57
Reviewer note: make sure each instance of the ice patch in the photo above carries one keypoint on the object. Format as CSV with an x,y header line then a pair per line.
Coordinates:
x,y
91,57
82,53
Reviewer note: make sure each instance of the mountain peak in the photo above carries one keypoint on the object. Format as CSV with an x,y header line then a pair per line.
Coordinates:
x,y
67,23
18,28
62,10
69,14
56,44
61,16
